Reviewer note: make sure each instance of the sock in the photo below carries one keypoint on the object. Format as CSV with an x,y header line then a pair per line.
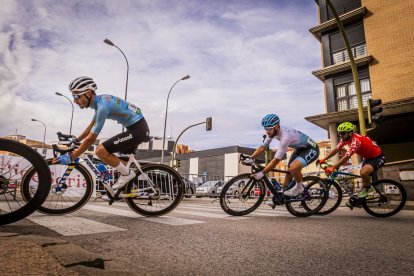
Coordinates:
x,y
122,169
299,185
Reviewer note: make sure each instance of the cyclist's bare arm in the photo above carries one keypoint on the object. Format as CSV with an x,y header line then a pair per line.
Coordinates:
x,y
332,153
258,151
272,164
86,132
86,143
342,161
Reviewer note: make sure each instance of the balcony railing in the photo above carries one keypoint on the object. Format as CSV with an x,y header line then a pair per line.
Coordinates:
x,y
342,56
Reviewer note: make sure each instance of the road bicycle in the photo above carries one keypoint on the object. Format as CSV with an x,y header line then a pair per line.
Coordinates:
x,y
385,198
156,190
252,192
15,159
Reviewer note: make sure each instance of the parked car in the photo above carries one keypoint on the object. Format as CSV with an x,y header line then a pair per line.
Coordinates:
x,y
209,188
190,187
235,189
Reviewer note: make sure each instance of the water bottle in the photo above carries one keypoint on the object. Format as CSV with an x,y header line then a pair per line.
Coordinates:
x,y
276,184
104,171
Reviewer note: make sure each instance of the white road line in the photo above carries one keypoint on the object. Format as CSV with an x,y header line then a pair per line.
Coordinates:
x,y
131,214
68,225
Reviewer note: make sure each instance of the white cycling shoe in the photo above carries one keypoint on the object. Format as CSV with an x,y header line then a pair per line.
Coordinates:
x,y
123,180
294,191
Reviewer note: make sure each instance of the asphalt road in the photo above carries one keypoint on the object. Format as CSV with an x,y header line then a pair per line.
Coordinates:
x,y
198,238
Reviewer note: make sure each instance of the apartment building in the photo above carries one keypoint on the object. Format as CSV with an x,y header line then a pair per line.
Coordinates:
x,y
381,36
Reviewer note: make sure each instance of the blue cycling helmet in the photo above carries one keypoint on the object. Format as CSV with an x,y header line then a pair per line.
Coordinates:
x,y
270,120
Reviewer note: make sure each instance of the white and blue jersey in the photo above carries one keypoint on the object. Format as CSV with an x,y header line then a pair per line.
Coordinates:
x,y
290,137
114,108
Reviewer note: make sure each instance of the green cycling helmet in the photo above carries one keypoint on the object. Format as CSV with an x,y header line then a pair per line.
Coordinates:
x,y
346,127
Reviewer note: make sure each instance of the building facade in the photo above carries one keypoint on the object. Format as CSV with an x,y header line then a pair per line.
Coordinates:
x,y
381,36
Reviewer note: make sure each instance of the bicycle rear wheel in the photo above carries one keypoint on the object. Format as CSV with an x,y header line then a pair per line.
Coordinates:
x,y
387,200
312,201
71,188
169,190
15,159
334,198
242,195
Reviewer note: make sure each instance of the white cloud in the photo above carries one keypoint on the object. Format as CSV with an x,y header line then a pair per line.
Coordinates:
x,y
245,59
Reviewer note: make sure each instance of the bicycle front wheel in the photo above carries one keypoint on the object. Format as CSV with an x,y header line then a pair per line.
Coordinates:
x,y
71,188
388,198
334,198
15,159
313,199
242,195
157,192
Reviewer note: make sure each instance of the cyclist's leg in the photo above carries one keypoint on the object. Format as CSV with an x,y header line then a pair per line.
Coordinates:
x,y
303,159
125,142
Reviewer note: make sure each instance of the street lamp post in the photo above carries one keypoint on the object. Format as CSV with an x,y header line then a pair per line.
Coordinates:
x,y
165,119
208,122
71,119
44,135
107,41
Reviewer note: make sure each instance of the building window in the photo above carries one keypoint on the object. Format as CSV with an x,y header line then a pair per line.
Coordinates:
x,y
346,95
342,56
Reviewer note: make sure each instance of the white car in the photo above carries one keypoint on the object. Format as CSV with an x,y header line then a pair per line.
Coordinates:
x,y
209,188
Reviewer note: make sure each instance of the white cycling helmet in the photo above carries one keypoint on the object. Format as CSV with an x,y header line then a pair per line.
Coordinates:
x,y
82,84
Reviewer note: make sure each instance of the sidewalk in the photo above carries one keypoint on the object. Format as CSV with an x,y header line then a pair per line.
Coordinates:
x,y
38,255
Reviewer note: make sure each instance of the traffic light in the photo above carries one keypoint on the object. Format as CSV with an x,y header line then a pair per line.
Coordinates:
x,y
374,111
178,163
209,123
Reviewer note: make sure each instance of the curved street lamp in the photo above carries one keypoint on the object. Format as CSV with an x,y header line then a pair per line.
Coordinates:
x,y
165,120
44,134
71,119
110,43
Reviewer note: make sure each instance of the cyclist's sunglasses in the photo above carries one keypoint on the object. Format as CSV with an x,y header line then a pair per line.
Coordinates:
x,y
77,96
341,133
268,128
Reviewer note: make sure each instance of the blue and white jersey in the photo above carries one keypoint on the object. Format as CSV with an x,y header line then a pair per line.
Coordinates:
x,y
114,108
289,137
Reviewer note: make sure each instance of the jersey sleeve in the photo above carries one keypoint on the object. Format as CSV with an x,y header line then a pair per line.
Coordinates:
x,y
283,147
99,120
267,140
353,147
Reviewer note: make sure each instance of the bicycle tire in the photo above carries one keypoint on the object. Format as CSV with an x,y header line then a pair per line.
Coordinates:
x,y
10,147
68,201
241,199
334,198
159,174
372,206
306,208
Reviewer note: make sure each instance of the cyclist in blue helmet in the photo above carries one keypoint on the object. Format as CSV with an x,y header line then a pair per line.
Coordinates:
x,y
306,151
106,106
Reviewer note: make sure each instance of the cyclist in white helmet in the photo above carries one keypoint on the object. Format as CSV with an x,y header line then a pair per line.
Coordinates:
x,y
108,107
306,151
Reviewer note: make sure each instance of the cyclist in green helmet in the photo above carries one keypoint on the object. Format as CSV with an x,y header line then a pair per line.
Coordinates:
x,y
362,145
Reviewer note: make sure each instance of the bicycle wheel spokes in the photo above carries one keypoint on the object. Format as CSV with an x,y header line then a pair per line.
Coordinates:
x,y
388,198
157,192
334,199
242,195
71,188
15,160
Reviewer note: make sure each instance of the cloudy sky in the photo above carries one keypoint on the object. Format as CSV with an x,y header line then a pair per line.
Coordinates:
x,y
245,58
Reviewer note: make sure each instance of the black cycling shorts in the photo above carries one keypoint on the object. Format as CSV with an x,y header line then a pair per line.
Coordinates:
x,y
128,141
376,162
305,156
